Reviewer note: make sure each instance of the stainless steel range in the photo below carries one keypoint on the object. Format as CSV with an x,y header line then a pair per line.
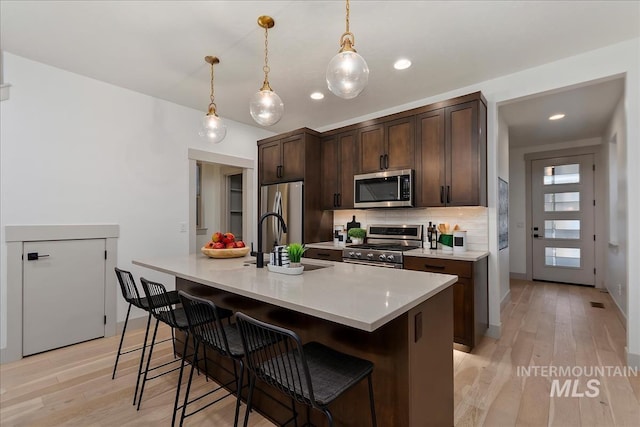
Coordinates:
x,y
385,245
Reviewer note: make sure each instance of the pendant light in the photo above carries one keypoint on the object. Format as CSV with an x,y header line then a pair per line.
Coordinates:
x,y
347,72
213,128
266,107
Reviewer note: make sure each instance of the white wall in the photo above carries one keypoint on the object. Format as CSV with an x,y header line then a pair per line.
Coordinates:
x,y
79,151
616,279
614,60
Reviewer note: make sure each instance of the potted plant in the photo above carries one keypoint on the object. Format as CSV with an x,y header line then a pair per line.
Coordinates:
x,y
357,235
295,251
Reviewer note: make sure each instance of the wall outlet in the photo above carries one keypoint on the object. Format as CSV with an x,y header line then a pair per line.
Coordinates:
x,y
183,227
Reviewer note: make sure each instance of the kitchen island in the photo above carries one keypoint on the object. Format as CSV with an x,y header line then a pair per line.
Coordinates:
x,y
400,320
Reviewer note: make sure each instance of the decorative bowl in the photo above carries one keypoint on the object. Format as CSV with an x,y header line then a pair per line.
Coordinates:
x,y
225,253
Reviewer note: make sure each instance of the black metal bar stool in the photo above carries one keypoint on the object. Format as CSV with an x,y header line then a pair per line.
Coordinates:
x,y
312,374
132,296
207,329
165,311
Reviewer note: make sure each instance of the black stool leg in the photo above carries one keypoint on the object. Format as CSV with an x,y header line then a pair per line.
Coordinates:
x,y
144,347
146,371
239,380
186,396
329,416
124,329
371,402
252,384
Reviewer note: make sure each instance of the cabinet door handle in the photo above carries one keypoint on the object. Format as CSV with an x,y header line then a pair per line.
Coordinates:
x,y
335,200
448,194
278,171
339,199
386,161
322,254
442,194
381,164
436,267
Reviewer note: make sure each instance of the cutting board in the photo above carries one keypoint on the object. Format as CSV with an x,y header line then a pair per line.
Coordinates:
x,y
353,224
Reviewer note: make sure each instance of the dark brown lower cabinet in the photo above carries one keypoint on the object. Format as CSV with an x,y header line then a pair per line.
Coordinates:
x,y
325,254
470,296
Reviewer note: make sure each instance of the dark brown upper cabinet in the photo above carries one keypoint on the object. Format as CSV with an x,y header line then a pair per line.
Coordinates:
x,y
282,160
337,155
452,146
294,156
387,145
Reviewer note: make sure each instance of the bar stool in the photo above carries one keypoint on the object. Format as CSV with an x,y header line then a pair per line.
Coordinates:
x,y
207,329
164,311
312,374
132,296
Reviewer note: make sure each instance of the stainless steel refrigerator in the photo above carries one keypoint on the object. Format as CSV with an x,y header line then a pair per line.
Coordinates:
x,y
286,200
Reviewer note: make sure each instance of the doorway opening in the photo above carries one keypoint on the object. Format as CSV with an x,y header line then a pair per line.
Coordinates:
x,y
221,194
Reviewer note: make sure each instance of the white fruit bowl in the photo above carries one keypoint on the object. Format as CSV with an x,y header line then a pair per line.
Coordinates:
x,y
225,253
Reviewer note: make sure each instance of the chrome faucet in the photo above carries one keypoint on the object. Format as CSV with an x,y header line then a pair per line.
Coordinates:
x,y
259,256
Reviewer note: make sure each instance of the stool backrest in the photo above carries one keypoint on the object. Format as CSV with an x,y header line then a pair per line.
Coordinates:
x,y
204,322
282,364
159,302
128,287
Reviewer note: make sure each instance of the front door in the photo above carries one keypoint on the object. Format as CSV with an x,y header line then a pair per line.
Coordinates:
x,y
563,229
63,293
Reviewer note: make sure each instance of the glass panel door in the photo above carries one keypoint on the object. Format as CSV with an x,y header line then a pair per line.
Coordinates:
x,y
563,247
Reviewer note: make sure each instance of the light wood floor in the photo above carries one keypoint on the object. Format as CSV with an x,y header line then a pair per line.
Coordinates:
x,y
545,324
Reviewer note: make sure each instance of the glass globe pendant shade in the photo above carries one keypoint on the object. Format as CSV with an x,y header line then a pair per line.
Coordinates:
x,y
266,107
213,128
347,74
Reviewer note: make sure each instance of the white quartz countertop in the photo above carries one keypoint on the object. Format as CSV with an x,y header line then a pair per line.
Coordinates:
x,y
325,245
363,297
460,256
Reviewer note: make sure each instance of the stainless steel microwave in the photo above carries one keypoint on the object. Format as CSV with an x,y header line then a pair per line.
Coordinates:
x,y
387,189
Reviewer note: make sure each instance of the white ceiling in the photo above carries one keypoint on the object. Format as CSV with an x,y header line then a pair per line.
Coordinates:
x,y
587,109
158,47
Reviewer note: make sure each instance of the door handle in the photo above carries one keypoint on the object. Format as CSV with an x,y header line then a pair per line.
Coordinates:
x,y
339,199
448,194
536,236
381,164
386,161
34,256
442,194
335,200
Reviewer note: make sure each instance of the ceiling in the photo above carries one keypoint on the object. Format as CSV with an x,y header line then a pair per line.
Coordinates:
x,y
587,109
158,47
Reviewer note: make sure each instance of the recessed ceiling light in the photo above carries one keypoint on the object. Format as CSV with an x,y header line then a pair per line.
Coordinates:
x,y
402,64
317,95
556,116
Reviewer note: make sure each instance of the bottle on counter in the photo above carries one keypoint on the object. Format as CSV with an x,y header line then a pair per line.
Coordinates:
x,y
433,242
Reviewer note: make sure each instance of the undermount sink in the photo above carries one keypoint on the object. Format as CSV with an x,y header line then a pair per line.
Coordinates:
x,y
307,267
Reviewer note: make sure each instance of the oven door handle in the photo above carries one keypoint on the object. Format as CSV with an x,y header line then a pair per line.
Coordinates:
x,y
371,264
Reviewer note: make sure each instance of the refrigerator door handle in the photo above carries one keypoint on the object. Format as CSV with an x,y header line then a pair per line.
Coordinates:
x,y
277,208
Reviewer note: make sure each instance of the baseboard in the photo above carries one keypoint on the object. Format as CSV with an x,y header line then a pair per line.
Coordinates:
x,y
7,356
633,359
519,276
506,299
137,323
494,331
618,310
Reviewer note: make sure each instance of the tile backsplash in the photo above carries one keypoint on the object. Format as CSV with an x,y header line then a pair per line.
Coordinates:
x,y
475,220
